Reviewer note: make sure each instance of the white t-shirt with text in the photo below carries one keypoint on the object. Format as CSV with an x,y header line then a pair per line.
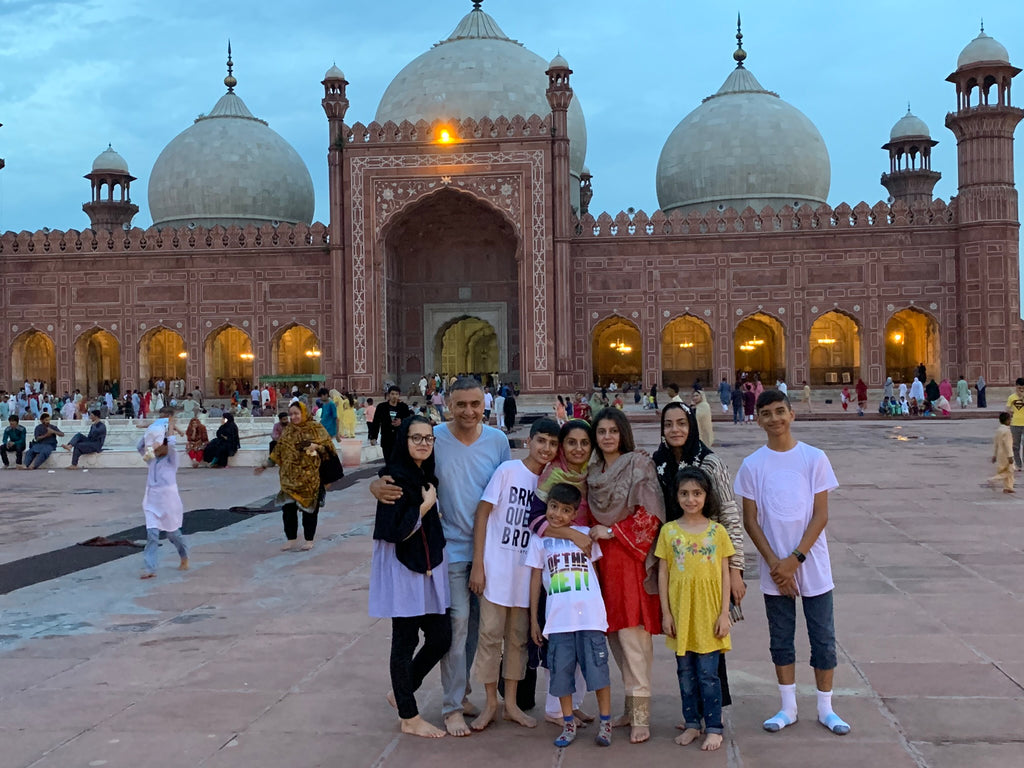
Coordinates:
x,y
574,601
783,485
507,580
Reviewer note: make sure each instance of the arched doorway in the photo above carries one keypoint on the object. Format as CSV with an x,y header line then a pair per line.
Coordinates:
x,y
835,349
759,347
229,360
445,255
295,351
467,345
33,356
616,352
911,338
162,355
97,361
686,352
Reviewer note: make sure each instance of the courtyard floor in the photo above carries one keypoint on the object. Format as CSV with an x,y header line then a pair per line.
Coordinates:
x,y
260,658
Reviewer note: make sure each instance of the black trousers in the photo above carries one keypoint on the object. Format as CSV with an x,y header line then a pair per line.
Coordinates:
x,y
290,517
408,668
17,455
80,445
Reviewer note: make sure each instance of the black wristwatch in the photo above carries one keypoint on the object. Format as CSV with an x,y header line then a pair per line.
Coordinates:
x,y
800,556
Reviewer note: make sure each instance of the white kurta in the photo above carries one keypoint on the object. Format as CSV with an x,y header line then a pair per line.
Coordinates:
x,y
162,503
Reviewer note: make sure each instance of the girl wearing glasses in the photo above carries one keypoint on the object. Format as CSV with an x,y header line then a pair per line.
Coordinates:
x,y
409,572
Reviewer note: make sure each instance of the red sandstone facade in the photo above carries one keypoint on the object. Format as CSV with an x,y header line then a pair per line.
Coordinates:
x,y
425,232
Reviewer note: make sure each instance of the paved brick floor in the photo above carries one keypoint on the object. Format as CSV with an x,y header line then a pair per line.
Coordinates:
x,y
262,658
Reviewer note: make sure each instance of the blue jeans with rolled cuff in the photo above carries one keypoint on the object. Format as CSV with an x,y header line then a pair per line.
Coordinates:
x,y
700,689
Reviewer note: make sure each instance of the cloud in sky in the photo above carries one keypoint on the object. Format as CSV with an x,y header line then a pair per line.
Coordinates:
x,y
77,75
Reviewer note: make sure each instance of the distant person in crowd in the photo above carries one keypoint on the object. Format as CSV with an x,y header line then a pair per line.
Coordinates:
x,y
781,386
328,414
805,397
189,406
963,392
862,396
224,445
917,390
724,394
673,393
44,443
347,415
369,410
980,386
91,443
887,388
946,389
278,428
511,410
197,438
702,410
13,441
749,399
387,418
1002,453
736,396
162,502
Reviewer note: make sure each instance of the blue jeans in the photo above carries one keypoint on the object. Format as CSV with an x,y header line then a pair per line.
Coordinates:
x,y
465,615
151,553
737,414
701,690
781,612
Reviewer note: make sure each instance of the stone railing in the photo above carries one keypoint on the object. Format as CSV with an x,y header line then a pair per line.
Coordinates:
x,y
88,241
786,219
464,130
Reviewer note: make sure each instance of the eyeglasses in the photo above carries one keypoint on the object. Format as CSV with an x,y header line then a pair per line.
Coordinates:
x,y
421,439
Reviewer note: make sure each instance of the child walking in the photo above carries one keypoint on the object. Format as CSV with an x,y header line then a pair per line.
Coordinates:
x,y
693,582
500,538
784,486
575,621
1002,453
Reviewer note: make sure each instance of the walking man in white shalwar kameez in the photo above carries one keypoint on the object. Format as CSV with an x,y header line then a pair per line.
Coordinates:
x,y
162,503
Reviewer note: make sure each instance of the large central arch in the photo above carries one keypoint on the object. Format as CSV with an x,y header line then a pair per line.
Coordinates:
x,y
616,351
449,255
760,347
97,361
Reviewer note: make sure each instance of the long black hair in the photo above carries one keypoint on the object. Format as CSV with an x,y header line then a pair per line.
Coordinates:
x,y
693,450
712,505
401,460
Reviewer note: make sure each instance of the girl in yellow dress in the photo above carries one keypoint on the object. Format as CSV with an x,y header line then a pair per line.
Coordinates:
x,y
693,583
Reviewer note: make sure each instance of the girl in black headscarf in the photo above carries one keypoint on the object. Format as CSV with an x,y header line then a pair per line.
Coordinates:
x,y
681,446
224,445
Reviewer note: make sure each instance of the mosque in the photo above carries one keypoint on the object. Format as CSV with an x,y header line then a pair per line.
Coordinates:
x,y
460,239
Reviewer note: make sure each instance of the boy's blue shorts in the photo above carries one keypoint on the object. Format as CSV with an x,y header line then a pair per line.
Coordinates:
x,y
589,649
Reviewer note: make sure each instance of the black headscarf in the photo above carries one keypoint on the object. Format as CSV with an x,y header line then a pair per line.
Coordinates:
x,y
422,550
667,465
228,431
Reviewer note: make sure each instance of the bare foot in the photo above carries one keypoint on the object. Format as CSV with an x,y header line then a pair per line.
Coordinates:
x,y
306,546
638,734
469,709
455,724
147,575
621,721
583,717
391,700
688,736
486,717
514,714
70,466
183,565
712,742
288,545
417,726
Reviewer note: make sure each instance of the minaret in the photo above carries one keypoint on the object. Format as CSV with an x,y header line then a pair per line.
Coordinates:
x,y
335,104
983,124
910,177
559,95
111,207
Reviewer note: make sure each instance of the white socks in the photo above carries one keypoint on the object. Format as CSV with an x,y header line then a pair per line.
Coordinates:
x,y
788,693
828,718
824,705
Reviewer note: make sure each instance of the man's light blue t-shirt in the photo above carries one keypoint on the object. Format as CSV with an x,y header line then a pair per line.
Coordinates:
x,y
463,472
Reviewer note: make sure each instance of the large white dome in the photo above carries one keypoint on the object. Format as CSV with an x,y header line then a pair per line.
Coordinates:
x,y
743,146
479,72
229,168
982,49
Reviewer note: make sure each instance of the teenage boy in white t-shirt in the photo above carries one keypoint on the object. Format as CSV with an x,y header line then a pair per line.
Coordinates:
x,y
784,486
575,621
499,578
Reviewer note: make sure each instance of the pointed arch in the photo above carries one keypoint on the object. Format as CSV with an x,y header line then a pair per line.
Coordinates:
x,y
834,348
616,350
912,338
759,347
467,345
97,361
33,356
687,351
295,350
229,359
162,355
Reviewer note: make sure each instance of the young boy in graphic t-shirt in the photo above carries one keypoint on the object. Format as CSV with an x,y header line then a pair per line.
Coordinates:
x,y
784,486
575,619
498,576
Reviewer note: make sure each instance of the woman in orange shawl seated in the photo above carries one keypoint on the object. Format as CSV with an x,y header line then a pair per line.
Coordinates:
x,y
197,439
303,444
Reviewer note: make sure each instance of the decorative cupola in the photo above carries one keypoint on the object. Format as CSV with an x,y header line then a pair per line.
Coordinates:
x,y
111,207
910,177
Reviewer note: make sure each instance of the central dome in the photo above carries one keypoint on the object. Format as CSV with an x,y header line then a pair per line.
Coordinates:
x,y
229,168
743,146
479,72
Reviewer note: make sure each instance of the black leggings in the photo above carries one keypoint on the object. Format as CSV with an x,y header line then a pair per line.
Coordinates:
x,y
407,670
290,516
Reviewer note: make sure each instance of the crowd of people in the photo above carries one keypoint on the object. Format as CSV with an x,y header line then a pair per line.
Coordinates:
x,y
588,547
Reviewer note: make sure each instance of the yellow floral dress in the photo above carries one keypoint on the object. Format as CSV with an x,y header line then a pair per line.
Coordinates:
x,y
695,585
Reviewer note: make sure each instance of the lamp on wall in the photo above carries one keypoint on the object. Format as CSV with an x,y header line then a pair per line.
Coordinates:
x,y
312,352
826,341
686,345
183,354
247,356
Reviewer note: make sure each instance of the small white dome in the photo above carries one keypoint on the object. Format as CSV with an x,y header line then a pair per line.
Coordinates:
x,y
109,160
334,73
743,146
558,61
478,72
909,125
982,49
229,168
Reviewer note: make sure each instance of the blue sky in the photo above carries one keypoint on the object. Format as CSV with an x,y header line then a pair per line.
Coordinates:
x,y
77,75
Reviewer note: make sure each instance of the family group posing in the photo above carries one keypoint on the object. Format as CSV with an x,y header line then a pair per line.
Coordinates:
x,y
588,546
